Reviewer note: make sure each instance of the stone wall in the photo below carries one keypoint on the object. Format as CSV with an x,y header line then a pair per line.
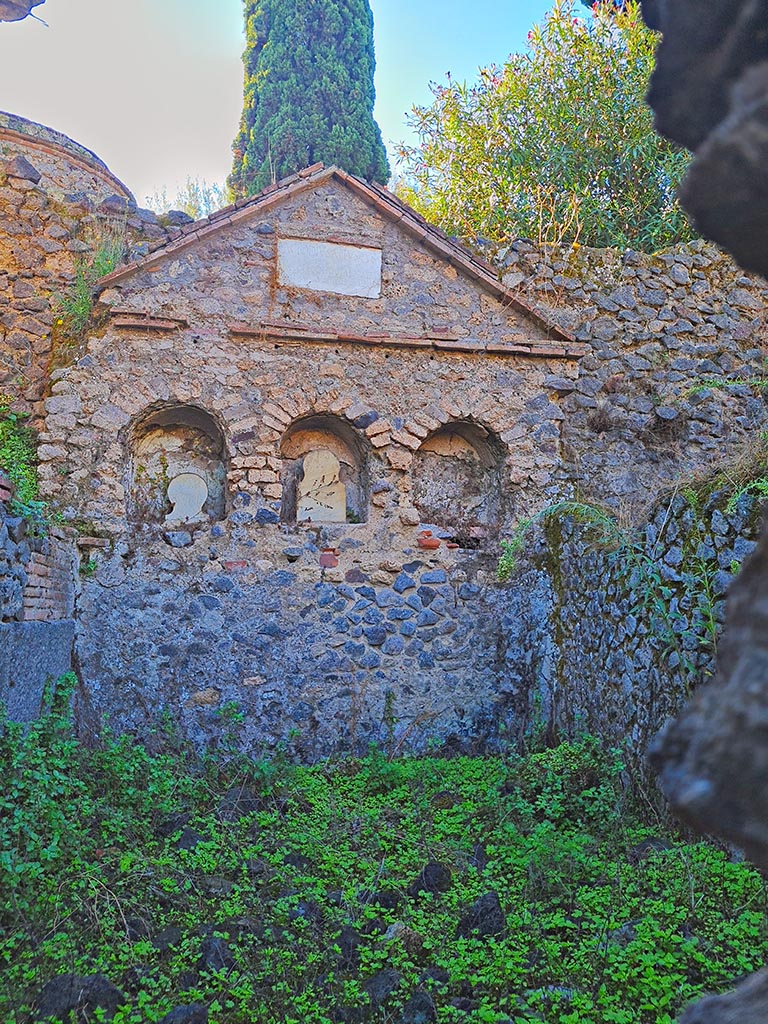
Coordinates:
x,y
446,406
626,617
670,395
15,554
57,202
37,571
65,166
37,590
49,593
346,632
32,655
660,328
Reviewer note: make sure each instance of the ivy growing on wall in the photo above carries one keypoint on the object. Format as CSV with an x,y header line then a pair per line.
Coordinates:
x,y
18,458
640,570
681,611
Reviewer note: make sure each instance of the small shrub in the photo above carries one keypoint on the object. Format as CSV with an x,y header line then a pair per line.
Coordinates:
x,y
75,306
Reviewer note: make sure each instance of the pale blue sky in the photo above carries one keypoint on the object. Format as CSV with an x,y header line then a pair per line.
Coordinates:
x,y
155,86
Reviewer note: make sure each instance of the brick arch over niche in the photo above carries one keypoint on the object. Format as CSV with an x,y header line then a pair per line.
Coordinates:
x,y
176,467
325,472
456,480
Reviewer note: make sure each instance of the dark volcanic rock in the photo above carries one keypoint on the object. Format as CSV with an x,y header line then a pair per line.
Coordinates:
x,y
298,861
137,928
189,839
195,1013
216,954
381,985
434,877
348,942
173,823
435,976
387,900
485,917
646,848
709,92
81,995
713,761
168,938
745,1005
239,802
419,1009
19,167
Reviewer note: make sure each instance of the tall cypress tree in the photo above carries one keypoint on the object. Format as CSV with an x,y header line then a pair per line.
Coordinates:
x,y
308,92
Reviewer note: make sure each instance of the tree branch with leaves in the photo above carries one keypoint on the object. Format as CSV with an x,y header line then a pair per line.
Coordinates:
x,y
555,145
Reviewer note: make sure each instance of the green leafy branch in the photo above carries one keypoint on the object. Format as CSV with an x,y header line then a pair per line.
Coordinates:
x,y
720,384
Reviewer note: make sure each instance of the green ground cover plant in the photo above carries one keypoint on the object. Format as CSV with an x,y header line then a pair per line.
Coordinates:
x,y
498,889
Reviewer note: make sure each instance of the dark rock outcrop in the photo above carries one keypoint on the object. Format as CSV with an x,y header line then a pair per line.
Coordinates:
x,y
80,995
713,761
434,877
746,1005
485,917
710,93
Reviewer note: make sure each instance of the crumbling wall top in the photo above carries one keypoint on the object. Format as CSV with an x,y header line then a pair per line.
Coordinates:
x,y
66,164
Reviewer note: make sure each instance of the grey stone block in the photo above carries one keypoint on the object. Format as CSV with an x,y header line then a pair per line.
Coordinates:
x,y
32,654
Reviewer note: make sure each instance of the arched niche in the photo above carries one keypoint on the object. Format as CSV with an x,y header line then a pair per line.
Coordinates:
x,y
177,466
325,472
456,480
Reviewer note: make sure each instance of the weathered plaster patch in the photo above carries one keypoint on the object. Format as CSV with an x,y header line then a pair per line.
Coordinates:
x,y
329,267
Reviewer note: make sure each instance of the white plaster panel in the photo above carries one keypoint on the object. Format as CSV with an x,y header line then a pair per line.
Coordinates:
x,y
330,267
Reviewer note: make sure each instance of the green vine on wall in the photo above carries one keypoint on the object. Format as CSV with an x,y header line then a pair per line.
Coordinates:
x,y
18,458
654,597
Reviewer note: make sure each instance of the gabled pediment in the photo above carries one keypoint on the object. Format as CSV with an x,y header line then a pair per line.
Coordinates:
x,y
327,255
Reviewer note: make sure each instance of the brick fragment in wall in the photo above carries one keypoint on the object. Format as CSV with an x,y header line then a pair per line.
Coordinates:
x,y
407,439
399,459
273,424
262,476
248,462
275,412
417,429
423,418
340,405
356,410
378,427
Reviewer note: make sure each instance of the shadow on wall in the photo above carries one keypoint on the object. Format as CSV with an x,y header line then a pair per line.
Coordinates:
x,y
177,466
325,473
